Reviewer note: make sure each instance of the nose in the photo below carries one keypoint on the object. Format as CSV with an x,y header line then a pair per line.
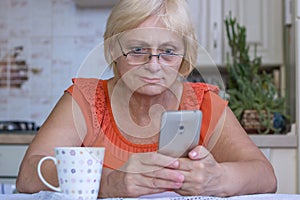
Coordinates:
x,y
154,60
153,64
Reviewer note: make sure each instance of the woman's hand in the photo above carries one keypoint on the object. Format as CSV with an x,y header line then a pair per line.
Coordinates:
x,y
202,173
144,173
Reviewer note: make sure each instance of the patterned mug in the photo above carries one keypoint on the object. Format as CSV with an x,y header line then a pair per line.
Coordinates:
x,y
79,171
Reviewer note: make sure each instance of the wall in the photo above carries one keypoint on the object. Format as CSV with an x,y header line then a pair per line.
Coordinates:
x,y
56,37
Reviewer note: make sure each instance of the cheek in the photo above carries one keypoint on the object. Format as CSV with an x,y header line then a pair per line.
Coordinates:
x,y
128,74
171,71
121,66
170,75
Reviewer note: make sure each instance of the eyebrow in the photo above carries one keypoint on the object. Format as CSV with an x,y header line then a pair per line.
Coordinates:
x,y
171,43
134,41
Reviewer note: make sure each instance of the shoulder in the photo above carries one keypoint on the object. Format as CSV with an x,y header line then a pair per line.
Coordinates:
x,y
202,87
207,95
88,89
197,94
86,85
200,90
87,82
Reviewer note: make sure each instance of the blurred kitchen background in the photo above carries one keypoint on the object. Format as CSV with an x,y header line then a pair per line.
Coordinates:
x,y
55,37
44,42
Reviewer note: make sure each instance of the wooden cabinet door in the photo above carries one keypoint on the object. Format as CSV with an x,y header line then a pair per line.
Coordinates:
x,y
10,159
264,22
207,18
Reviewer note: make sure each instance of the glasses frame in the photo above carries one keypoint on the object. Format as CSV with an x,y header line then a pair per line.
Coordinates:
x,y
150,55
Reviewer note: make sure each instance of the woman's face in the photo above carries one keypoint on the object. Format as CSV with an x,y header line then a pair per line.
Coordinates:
x,y
141,72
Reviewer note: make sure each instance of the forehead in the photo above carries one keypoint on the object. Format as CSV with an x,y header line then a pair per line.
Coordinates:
x,y
152,21
152,31
152,35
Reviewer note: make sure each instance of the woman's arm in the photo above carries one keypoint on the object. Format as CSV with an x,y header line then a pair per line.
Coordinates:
x,y
59,129
235,166
246,169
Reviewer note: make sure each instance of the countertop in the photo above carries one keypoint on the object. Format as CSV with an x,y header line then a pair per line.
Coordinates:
x,y
17,137
288,140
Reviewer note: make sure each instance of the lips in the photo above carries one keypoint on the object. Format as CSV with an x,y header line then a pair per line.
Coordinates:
x,y
150,80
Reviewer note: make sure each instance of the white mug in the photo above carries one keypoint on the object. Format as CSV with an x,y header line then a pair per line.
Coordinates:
x,y
79,171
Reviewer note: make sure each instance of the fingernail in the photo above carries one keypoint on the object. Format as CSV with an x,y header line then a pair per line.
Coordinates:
x,y
193,153
181,177
178,185
175,164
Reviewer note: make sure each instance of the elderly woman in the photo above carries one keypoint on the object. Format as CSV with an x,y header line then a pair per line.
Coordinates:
x,y
151,47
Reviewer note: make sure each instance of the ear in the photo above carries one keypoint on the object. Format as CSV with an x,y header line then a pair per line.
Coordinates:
x,y
185,68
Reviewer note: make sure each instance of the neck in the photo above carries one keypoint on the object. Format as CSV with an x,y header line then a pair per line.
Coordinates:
x,y
142,108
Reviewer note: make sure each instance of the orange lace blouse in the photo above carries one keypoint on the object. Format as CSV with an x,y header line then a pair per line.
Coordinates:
x,y
92,97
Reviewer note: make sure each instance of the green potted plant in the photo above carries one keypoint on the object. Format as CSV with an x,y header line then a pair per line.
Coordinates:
x,y
253,96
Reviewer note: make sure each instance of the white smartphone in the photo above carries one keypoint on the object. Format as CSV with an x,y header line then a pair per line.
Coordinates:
x,y
179,132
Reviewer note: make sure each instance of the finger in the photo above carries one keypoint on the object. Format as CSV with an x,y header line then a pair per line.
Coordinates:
x,y
159,160
137,185
146,191
157,183
166,174
199,152
148,162
187,164
138,190
189,189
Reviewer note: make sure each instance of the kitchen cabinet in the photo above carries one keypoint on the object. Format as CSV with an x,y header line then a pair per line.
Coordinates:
x,y
208,21
284,162
281,151
264,22
10,159
12,150
286,176
95,3
297,33
262,18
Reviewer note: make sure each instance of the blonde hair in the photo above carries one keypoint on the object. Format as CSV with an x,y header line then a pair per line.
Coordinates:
x,y
128,14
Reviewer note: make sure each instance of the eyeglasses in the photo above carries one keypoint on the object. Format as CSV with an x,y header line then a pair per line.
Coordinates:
x,y
140,58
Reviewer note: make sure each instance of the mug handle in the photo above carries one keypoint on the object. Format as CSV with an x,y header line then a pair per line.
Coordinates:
x,y
57,189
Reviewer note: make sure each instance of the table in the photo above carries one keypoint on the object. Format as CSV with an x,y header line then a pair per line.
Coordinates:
x,y
46,195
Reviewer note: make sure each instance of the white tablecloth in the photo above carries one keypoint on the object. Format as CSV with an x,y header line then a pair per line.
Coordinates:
x,y
46,195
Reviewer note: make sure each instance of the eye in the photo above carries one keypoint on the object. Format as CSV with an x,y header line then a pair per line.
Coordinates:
x,y
136,49
139,50
168,51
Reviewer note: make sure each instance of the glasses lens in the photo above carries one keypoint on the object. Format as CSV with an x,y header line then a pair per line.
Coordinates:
x,y
137,59
142,58
168,59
